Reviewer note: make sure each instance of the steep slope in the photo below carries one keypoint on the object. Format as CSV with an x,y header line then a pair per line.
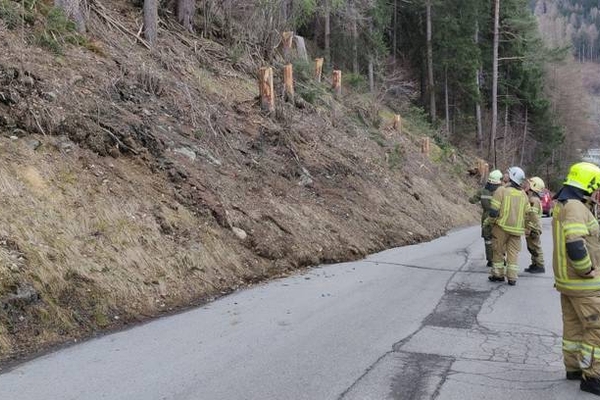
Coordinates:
x,y
134,182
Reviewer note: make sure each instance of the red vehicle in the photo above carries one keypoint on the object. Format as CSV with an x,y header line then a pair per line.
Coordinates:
x,y
547,202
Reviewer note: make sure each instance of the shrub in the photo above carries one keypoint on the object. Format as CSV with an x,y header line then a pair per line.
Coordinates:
x,y
57,30
355,81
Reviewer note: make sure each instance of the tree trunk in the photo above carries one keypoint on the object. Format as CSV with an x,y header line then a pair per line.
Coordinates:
x,y
355,69
327,34
371,75
395,31
478,103
207,18
492,154
371,66
301,52
72,9
150,21
228,11
524,138
185,13
430,83
287,39
446,101
505,141
284,11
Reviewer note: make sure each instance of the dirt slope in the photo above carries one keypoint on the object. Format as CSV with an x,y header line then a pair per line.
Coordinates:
x,y
135,182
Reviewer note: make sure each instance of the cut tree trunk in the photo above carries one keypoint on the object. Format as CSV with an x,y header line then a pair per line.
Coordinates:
x,y
265,87
151,21
288,83
425,146
301,52
318,69
336,83
398,123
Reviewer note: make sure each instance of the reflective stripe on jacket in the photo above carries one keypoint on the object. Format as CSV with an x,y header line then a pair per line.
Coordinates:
x,y
572,221
511,204
534,214
483,196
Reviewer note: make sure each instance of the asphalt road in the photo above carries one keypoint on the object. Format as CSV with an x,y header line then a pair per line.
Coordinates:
x,y
417,322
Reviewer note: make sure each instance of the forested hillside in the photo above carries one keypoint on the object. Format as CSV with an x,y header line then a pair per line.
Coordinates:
x,y
145,168
573,81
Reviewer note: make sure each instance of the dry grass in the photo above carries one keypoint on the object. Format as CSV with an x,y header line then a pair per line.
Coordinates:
x,y
80,228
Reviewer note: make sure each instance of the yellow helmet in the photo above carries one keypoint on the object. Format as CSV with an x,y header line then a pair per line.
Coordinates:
x,y
536,184
585,176
495,177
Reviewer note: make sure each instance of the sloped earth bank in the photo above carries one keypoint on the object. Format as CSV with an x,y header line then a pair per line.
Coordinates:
x,y
135,182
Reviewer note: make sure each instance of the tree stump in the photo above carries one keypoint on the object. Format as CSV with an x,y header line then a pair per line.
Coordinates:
x,y
265,87
336,83
486,172
425,148
288,83
301,48
318,69
286,40
398,123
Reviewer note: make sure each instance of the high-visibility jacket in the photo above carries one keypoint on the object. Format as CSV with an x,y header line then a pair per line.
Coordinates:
x,y
511,204
533,217
573,221
484,196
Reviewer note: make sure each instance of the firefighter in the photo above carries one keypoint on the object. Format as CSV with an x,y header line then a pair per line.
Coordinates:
x,y
576,260
484,196
507,217
533,226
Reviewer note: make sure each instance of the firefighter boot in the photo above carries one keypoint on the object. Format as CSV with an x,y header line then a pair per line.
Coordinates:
x,y
574,375
590,385
535,269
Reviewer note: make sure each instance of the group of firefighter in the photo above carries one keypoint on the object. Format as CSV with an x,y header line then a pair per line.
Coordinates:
x,y
512,208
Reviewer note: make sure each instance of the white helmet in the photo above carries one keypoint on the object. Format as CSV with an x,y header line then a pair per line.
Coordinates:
x,y
516,175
